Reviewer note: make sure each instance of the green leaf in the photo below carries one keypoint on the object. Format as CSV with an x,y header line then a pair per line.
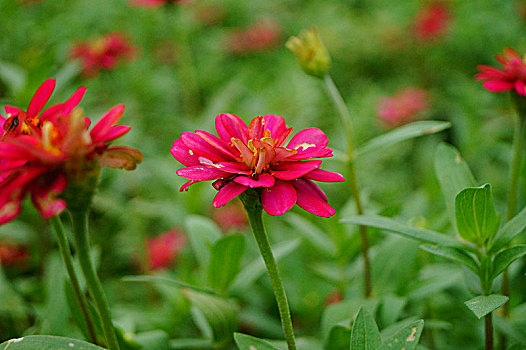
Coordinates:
x,y
313,235
153,340
202,233
506,234
225,260
256,268
191,343
339,338
47,342
246,342
484,304
419,234
405,339
365,334
402,133
505,257
453,254
453,174
175,283
14,77
477,220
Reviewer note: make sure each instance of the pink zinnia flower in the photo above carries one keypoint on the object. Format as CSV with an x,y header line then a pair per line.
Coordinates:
x,y
258,156
231,216
403,107
432,22
511,77
259,37
103,53
59,147
164,249
12,254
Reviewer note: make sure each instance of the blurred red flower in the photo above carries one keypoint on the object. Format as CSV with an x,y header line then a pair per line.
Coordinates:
x,y
231,216
333,298
153,3
432,21
164,249
40,155
103,53
511,77
255,156
403,107
259,37
12,254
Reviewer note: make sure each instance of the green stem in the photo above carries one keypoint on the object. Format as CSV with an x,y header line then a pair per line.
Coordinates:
x,y
80,230
488,328
518,145
345,118
254,211
63,245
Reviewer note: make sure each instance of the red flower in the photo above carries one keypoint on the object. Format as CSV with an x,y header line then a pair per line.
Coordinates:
x,y
432,21
164,249
103,53
231,216
57,147
153,3
259,37
12,254
256,157
403,107
511,77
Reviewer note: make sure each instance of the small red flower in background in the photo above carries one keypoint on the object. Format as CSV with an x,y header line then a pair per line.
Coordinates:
x,y
258,156
259,37
511,77
403,107
41,154
154,3
432,21
164,249
104,53
333,298
12,254
231,217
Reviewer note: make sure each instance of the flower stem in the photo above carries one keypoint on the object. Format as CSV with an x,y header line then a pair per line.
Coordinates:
x,y
488,328
254,211
345,117
63,245
80,230
518,145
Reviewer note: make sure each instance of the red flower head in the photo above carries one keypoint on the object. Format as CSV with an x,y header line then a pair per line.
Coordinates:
x,y
259,37
259,157
103,53
164,249
432,22
403,107
58,148
231,216
153,3
511,77
12,254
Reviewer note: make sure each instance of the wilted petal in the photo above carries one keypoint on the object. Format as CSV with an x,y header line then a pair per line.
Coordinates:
x,y
105,124
294,169
45,198
324,176
121,157
312,199
227,192
183,154
278,200
230,126
40,98
264,180
201,173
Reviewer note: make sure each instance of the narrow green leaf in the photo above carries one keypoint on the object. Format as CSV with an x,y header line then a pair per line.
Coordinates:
x,y
176,283
484,304
153,340
225,260
202,233
406,338
256,268
419,234
365,334
47,342
506,234
453,254
453,174
247,342
505,257
191,343
477,220
14,77
402,133
312,234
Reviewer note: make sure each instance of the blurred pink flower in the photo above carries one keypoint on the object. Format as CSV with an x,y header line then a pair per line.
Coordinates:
x,y
153,3
255,156
164,249
432,21
402,107
511,77
259,37
12,254
103,53
56,147
231,216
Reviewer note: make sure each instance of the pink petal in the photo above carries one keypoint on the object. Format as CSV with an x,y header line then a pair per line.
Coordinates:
x,y
230,126
227,192
201,173
520,88
312,199
275,124
324,176
2,121
185,186
74,100
294,169
278,200
233,167
45,198
105,124
217,143
264,180
115,132
256,128
201,148
308,142
13,110
183,154
498,85
40,98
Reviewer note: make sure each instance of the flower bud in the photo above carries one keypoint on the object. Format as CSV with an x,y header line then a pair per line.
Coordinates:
x,y
310,52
